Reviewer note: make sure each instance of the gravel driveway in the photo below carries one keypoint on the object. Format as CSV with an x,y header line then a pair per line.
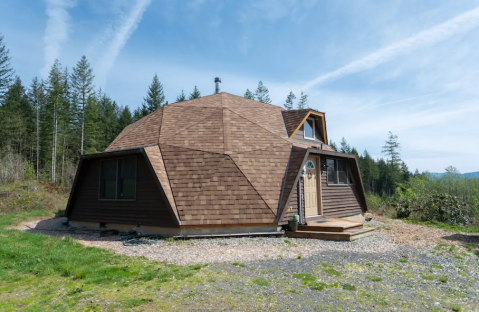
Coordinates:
x,y
382,272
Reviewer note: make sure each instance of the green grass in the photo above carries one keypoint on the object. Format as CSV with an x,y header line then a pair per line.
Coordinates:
x,y
260,282
403,260
331,271
348,287
443,279
455,308
240,264
429,277
436,266
305,277
444,226
374,278
29,257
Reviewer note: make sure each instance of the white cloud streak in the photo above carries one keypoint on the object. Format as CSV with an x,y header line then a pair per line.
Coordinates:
x,y
461,23
125,27
56,31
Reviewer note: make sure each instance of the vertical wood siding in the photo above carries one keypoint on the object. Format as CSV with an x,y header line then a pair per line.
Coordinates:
x,y
339,201
149,208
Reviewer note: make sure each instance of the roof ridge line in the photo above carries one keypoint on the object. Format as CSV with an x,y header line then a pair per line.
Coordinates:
x,y
194,99
169,183
194,124
140,122
258,125
262,149
254,188
192,149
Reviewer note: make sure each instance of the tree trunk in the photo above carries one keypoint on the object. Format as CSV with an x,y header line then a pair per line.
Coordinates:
x,y
82,124
38,141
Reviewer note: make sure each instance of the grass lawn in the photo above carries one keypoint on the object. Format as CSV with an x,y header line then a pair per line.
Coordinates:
x,y
39,272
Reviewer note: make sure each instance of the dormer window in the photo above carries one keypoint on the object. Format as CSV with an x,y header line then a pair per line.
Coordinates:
x,y
309,129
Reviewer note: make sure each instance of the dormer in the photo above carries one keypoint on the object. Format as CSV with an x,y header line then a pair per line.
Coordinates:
x,y
305,125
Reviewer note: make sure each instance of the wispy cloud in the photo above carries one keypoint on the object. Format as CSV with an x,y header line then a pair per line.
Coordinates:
x,y
124,27
56,32
433,35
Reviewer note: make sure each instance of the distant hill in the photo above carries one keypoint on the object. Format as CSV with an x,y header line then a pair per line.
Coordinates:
x,y
467,175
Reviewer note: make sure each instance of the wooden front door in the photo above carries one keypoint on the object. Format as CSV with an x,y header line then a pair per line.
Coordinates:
x,y
311,205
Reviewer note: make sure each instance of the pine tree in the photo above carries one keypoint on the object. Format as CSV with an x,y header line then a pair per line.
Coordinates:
x,y
82,82
345,148
289,104
262,93
181,97
16,120
108,119
195,94
303,101
6,70
140,112
155,98
392,151
249,95
333,145
124,119
93,125
37,97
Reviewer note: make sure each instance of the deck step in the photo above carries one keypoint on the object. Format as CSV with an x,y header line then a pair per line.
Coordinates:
x,y
347,235
331,225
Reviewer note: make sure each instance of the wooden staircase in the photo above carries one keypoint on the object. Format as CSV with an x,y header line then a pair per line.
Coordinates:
x,y
331,229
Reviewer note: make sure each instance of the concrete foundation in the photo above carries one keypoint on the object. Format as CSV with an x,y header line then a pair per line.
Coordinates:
x,y
178,231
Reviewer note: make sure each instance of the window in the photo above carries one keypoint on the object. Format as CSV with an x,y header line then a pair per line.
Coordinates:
x,y
118,179
309,165
309,129
337,171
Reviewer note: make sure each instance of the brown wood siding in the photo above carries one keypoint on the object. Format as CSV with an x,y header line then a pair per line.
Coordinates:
x,y
339,201
293,203
149,208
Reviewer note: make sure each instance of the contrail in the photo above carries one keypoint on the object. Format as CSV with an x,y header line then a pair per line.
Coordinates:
x,y
126,27
56,31
461,23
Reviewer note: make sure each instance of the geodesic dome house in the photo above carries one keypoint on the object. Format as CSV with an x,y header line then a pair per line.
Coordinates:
x,y
219,164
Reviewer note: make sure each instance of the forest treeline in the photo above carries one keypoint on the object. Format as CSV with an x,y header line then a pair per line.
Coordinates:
x,y
51,122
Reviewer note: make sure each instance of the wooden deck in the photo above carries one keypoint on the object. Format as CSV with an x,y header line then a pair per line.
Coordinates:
x,y
332,229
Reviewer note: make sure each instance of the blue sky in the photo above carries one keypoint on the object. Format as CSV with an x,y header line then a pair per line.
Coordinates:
x,y
409,67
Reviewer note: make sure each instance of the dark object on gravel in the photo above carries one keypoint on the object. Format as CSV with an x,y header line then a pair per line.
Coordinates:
x,y
368,219
30,188
9,195
107,233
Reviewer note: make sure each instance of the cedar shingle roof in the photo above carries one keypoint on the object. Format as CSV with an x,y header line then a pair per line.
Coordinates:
x,y
221,159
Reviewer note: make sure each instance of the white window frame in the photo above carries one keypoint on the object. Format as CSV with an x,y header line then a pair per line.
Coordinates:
x,y
304,130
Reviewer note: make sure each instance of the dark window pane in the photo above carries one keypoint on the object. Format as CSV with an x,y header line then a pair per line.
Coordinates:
x,y
308,128
342,171
332,176
108,179
126,178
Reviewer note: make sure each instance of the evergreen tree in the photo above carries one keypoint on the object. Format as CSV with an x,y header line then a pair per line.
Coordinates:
x,y
345,148
249,95
37,97
124,119
16,120
303,101
6,70
354,151
108,119
289,104
405,172
82,82
155,98
181,97
262,93
140,112
333,145
392,151
93,125
195,94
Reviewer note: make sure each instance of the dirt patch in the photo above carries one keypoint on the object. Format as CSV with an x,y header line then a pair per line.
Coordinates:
x,y
421,236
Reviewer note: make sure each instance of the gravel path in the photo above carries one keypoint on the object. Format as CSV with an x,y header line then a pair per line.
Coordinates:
x,y
402,267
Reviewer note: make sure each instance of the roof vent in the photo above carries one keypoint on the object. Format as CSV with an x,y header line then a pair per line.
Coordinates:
x,y
217,83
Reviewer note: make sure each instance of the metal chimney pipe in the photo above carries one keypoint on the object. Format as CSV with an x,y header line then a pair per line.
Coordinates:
x,y
217,83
